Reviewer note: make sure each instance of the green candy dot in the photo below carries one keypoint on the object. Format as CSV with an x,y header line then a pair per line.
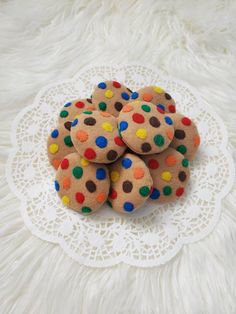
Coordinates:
x,y
67,141
159,140
64,114
144,191
167,190
102,106
77,172
182,149
185,162
109,203
86,210
87,112
146,108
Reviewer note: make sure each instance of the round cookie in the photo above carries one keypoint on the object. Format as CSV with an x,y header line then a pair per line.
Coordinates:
x,y
95,136
170,174
72,108
157,96
111,96
81,185
186,137
131,184
59,144
144,129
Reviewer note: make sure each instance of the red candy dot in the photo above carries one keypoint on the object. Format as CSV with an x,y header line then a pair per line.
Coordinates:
x,y
172,109
153,164
179,191
138,118
113,194
65,163
90,153
119,141
186,121
160,110
116,84
79,197
79,104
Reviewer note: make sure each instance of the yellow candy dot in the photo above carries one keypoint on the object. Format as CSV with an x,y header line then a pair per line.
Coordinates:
x,y
158,89
136,102
53,148
109,93
114,176
76,116
65,200
107,126
166,176
141,133
84,162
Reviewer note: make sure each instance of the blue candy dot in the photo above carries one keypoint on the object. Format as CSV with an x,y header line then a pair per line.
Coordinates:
x,y
56,185
134,95
101,174
162,107
128,207
101,141
125,96
54,133
168,120
74,122
123,126
68,104
126,163
155,194
102,85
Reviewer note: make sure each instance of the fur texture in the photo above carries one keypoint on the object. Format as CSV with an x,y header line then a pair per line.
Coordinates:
x,y
44,41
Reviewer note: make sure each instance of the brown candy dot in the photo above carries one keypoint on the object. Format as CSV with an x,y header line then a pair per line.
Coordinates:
x,y
91,186
146,147
154,122
168,97
67,125
182,176
89,100
127,186
89,121
112,155
180,134
118,106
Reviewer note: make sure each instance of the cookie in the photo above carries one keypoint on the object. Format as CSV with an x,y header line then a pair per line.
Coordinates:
x,y
81,185
72,108
186,137
111,96
131,184
59,144
170,174
157,96
144,129
95,136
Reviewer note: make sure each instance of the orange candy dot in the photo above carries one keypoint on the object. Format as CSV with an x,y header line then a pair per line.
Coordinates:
x,y
169,134
66,183
196,140
101,197
82,136
138,173
105,114
147,97
90,108
56,163
127,108
171,160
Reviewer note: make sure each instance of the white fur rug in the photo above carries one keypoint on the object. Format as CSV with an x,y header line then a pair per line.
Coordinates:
x,y
44,41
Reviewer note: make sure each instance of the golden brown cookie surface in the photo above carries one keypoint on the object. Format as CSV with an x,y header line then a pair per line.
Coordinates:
x,y
111,96
95,136
81,185
170,174
144,129
157,96
131,183
186,137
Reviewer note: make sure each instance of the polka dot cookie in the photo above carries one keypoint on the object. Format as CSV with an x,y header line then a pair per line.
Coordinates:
x,y
59,144
72,108
111,96
186,137
170,174
144,129
81,185
131,184
95,136
157,96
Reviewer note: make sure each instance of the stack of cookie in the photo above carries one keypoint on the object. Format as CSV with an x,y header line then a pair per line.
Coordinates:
x,y
123,148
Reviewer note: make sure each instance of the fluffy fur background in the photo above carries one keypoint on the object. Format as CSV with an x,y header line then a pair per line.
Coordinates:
x,y
45,41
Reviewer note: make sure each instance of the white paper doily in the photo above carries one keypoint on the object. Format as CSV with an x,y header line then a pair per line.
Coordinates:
x,y
154,234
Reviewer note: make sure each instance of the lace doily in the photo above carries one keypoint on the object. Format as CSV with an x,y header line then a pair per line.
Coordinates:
x,y
150,236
